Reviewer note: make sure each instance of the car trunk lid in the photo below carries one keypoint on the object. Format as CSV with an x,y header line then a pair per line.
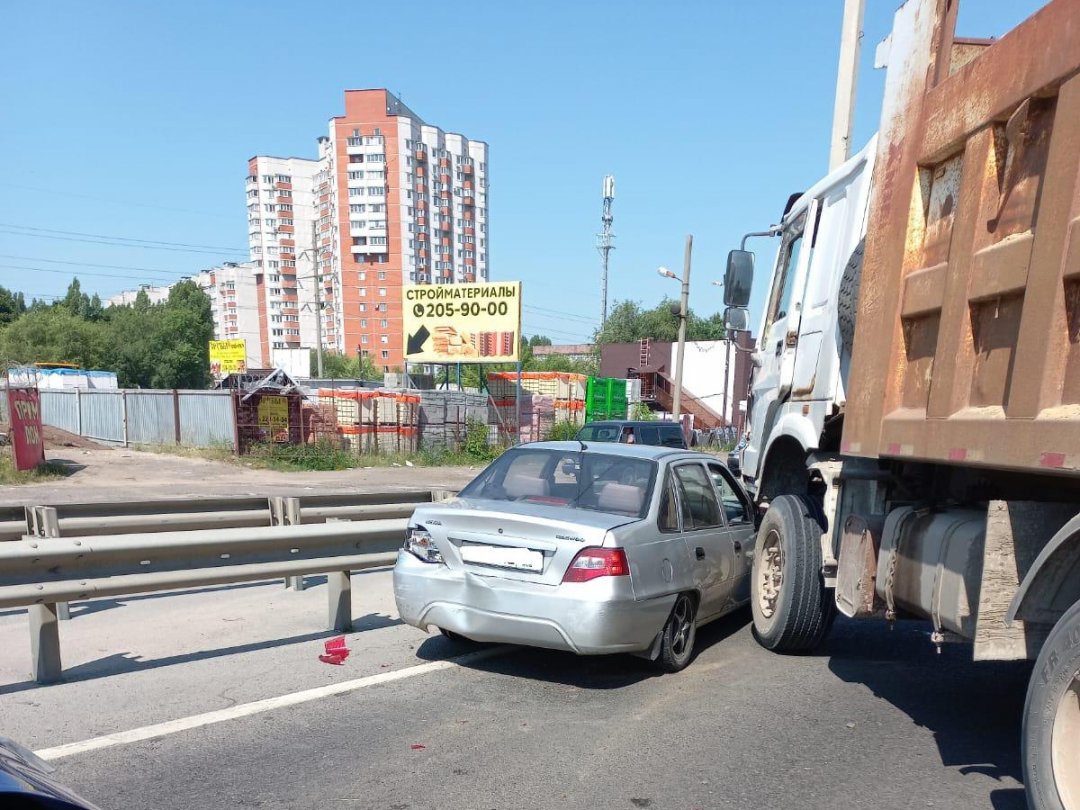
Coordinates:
x,y
525,542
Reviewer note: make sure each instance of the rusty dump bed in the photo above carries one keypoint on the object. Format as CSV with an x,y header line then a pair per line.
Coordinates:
x,y
967,343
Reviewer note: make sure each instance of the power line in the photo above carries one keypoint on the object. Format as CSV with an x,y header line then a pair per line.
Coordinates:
x,y
72,273
110,201
114,241
91,264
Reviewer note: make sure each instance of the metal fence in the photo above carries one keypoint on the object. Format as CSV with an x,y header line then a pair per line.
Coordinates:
x,y
194,418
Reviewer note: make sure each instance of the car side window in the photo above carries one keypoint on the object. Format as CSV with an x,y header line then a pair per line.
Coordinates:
x,y
648,435
668,519
671,436
735,509
699,498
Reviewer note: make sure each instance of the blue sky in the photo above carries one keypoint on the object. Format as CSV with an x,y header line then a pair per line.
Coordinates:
x,y
136,120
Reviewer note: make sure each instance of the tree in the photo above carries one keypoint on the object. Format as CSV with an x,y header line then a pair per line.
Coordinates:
x,y
628,323
12,305
54,336
341,367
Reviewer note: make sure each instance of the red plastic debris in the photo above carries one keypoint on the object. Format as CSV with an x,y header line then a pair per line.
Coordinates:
x,y
417,747
336,651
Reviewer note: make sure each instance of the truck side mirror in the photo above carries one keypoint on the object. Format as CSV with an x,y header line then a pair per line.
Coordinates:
x,y
739,278
735,319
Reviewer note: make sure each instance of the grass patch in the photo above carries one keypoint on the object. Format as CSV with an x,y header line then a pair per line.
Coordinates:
x,y
49,471
326,456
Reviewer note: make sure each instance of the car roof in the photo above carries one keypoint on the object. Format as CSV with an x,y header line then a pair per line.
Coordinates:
x,y
648,451
631,423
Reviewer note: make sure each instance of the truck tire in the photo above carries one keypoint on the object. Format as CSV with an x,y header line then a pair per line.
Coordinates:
x,y
793,610
847,304
1051,740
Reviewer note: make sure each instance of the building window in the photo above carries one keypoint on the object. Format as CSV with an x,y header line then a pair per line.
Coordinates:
x,y
378,208
363,292
356,158
363,339
385,354
363,323
363,307
376,158
381,307
378,240
357,223
283,178
382,275
384,323
357,175
382,291
376,191
356,192
362,276
268,179
384,339
356,208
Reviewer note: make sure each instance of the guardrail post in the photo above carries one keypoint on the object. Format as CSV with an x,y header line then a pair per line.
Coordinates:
x,y
286,512
42,521
45,643
339,596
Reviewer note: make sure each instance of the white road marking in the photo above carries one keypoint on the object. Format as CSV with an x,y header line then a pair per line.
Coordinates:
x,y
257,707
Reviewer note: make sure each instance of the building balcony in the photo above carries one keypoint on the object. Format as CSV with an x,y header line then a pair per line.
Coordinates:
x,y
468,230
468,277
421,221
468,200
421,237
420,154
286,229
287,186
358,249
467,168
445,210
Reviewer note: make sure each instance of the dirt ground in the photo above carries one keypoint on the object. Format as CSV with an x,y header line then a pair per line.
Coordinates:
x,y
118,474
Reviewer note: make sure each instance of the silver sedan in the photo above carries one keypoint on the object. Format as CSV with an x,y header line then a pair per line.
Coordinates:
x,y
601,548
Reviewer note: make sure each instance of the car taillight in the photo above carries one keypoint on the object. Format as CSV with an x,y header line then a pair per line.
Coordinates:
x,y
591,563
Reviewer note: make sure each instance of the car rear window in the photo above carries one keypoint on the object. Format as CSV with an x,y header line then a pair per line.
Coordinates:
x,y
569,479
599,433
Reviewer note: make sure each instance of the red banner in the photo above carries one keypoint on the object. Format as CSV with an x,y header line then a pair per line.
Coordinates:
x,y
24,409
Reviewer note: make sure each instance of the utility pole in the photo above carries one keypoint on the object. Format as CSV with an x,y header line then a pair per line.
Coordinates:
x,y
847,75
318,297
604,243
684,308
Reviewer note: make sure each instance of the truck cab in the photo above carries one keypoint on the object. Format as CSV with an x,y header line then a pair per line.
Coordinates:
x,y
803,352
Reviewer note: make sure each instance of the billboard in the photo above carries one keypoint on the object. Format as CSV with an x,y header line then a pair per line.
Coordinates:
x,y
24,413
462,323
228,357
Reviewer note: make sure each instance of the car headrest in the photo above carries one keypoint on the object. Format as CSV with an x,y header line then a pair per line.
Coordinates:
x,y
621,498
519,486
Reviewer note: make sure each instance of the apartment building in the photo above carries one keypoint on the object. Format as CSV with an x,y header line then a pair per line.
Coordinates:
x,y
155,294
395,201
281,210
234,301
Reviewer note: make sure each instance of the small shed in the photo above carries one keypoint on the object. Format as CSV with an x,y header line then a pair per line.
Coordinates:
x,y
269,407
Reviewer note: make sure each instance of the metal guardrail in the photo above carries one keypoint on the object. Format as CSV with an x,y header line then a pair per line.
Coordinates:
x,y
84,551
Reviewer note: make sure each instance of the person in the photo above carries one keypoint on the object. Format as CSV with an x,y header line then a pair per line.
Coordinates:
x,y
627,436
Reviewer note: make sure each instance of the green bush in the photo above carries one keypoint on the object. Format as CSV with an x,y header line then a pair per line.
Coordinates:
x,y
476,441
563,431
642,412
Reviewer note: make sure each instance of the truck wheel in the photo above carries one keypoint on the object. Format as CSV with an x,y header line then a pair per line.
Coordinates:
x,y
847,302
793,610
1051,741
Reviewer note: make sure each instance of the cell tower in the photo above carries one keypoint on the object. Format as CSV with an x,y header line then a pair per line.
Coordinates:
x,y
604,243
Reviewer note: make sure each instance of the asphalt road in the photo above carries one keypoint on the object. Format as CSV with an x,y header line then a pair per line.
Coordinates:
x,y
876,720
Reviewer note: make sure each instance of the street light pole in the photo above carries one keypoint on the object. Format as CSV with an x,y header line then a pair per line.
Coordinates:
x,y
684,307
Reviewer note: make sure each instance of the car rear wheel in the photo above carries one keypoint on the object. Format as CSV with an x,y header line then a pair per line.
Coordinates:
x,y
679,634
793,610
1051,736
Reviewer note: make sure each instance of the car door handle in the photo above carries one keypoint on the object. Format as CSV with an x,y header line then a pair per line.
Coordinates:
x,y
699,552
738,546
779,347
